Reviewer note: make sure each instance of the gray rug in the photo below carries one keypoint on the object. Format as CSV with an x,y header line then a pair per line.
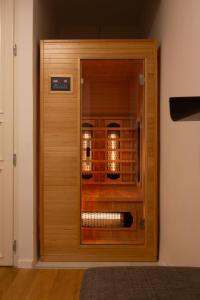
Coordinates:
x,y
146,283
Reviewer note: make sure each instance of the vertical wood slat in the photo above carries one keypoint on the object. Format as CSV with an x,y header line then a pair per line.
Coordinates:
x,y
60,151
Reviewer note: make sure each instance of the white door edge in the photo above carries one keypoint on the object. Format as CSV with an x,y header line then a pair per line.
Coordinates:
x,y
6,132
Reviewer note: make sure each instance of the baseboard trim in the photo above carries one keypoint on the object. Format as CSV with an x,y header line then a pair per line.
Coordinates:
x,y
25,264
86,265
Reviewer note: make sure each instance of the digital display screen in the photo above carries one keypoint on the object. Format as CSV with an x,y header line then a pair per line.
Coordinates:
x,y
62,84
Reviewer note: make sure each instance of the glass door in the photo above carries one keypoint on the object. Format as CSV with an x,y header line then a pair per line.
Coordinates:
x,y
112,179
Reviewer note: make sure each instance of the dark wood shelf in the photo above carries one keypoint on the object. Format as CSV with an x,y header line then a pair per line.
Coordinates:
x,y
109,116
106,139
116,182
121,193
108,128
185,108
106,160
106,150
111,242
108,228
108,172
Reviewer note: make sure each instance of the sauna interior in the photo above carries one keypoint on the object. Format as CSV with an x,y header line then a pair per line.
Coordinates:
x,y
112,114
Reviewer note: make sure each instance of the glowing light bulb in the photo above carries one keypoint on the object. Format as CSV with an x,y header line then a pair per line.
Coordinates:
x,y
86,152
106,219
113,146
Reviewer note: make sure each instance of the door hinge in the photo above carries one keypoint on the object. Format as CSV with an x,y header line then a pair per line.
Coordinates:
x,y
142,223
15,50
14,159
14,246
141,79
82,81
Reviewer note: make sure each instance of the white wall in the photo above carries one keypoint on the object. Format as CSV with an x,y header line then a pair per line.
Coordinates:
x,y
24,131
177,29
32,23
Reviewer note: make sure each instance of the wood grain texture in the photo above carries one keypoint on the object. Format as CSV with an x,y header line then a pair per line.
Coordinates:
x,y
39,284
60,151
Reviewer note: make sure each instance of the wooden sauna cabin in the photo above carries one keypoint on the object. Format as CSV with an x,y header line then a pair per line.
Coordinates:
x,y
98,150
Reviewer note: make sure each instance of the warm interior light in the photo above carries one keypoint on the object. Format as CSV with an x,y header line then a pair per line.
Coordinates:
x,y
113,146
113,154
86,152
106,219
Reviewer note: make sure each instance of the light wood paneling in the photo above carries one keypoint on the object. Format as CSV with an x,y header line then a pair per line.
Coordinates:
x,y
60,152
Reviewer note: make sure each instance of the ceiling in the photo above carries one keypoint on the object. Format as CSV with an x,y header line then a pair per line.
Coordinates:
x,y
137,15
